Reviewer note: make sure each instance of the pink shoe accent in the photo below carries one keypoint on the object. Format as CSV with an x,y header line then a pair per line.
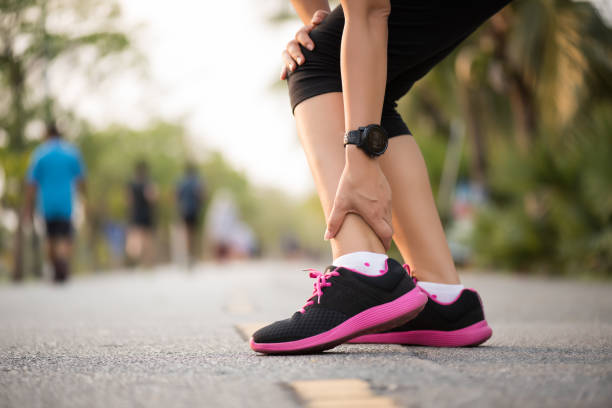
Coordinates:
x,y
377,318
320,282
407,268
472,335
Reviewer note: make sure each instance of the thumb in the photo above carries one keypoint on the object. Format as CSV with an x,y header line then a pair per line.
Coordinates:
x,y
334,222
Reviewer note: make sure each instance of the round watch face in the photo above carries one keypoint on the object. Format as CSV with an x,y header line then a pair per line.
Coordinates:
x,y
376,140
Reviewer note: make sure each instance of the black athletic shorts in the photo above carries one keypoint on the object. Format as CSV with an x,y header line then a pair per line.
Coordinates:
x,y
59,228
421,34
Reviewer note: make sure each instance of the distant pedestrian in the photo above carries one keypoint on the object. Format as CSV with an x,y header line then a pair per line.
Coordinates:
x,y
55,169
142,195
190,196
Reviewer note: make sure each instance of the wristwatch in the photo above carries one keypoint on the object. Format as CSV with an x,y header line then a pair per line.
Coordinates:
x,y
372,139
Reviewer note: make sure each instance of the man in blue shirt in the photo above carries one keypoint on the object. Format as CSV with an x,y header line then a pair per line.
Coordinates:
x,y
56,168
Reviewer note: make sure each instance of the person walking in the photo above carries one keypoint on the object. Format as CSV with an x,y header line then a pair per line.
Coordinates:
x,y
142,195
55,169
190,196
346,69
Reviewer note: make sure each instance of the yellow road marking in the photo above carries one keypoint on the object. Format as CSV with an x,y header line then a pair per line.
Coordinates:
x,y
372,402
339,393
246,330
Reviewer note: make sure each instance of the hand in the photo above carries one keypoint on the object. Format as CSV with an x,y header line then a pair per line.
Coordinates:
x,y
292,55
363,190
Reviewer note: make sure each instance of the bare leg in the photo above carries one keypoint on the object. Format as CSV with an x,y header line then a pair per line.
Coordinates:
x,y
320,124
192,237
148,248
60,252
133,245
418,230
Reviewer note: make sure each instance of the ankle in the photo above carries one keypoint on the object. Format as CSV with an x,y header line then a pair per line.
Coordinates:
x,y
448,278
354,236
441,292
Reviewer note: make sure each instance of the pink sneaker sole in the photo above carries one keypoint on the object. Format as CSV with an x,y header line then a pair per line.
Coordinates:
x,y
374,319
472,335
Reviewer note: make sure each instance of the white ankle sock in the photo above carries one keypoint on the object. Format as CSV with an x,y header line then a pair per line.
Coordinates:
x,y
368,263
441,292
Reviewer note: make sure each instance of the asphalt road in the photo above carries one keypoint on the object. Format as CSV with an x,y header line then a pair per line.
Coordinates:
x,y
167,338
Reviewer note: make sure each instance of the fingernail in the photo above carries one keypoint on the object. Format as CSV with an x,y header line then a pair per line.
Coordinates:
x,y
326,236
299,60
310,46
290,67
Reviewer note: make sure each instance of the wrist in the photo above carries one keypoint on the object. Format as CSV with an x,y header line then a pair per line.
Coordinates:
x,y
353,154
371,139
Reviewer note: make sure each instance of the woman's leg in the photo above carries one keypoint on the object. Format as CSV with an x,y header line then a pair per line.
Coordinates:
x,y
320,124
344,304
417,228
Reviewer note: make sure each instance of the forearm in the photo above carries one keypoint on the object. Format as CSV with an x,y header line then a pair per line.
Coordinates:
x,y
363,61
306,8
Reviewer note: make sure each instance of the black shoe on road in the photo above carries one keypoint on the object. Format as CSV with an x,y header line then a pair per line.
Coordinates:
x,y
344,304
459,323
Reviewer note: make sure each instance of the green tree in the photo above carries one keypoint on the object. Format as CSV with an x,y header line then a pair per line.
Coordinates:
x,y
533,87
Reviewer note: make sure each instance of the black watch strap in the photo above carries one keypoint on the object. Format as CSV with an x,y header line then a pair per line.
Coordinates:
x,y
353,137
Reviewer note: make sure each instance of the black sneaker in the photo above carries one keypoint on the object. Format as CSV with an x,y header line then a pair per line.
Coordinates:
x,y
344,304
459,323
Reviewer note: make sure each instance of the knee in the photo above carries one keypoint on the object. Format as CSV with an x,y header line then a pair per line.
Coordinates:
x,y
368,11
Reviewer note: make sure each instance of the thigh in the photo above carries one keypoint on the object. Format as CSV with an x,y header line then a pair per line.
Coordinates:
x,y
59,229
423,32
320,74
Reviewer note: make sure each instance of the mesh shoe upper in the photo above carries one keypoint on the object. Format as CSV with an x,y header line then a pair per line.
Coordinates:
x,y
463,312
313,321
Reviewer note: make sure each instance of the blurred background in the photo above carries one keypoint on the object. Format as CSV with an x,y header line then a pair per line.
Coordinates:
x,y
515,126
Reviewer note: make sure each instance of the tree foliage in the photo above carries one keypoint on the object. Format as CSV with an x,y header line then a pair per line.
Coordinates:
x,y
534,88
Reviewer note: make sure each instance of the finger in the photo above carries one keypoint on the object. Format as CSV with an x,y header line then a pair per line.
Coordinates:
x,y
335,220
381,226
296,53
288,61
283,74
384,231
319,16
303,38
